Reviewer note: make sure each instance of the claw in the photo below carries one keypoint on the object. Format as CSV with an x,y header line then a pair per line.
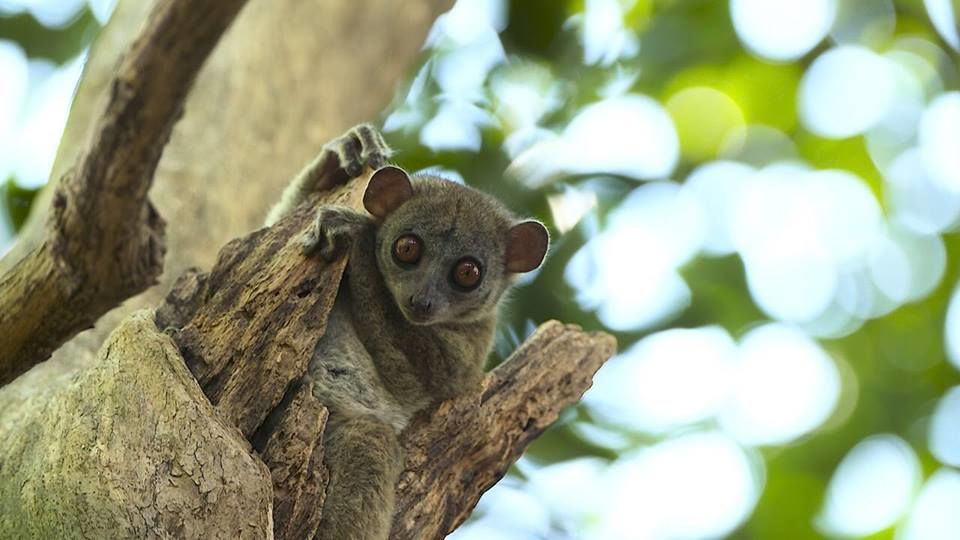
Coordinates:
x,y
309,241
376,161
353,168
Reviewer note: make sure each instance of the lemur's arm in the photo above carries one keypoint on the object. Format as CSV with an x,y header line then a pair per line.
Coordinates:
x,y
339,160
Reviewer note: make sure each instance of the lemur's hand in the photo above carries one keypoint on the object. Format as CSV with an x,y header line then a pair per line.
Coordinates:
x,y
332,231
361,146
338,161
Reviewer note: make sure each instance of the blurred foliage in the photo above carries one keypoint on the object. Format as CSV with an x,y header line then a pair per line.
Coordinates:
x,y
17,201
40,42
55,44
691,60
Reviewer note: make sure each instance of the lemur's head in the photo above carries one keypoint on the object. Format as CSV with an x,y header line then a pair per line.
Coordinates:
x,y
448,252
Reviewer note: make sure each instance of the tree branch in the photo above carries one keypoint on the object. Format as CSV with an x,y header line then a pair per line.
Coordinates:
x,y
104,241
463,448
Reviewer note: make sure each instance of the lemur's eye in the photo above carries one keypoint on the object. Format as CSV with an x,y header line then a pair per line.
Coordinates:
x,y
407,249
466,274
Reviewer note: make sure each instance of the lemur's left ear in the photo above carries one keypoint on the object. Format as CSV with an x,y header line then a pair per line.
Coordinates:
x,y
527,244
389,187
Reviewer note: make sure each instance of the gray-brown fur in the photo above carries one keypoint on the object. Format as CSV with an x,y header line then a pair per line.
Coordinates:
x,y
400,336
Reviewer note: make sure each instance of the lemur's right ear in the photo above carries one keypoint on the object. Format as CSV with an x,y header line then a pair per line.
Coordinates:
x,y
389,187
527,244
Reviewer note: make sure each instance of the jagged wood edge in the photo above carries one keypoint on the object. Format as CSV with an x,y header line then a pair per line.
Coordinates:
x,y
104,240
462,448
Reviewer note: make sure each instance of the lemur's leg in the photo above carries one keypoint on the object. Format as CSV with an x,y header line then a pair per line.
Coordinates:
x,y
364,459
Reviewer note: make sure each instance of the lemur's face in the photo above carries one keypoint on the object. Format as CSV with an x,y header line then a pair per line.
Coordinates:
x,y
442,257
448,252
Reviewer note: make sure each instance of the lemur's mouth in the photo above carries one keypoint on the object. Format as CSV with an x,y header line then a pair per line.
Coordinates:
x,y
413,318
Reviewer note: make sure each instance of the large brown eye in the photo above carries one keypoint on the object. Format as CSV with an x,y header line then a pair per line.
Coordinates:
x,y
407,249
466,274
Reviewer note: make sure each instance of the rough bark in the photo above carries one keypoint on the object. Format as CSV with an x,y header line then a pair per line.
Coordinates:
x,y
294,454
130,448
104,241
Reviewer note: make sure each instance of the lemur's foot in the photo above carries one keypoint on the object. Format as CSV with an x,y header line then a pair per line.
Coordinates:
x,y
361,146
332,231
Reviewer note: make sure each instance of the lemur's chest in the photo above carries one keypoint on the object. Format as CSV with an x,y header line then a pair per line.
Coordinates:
x,y
348,380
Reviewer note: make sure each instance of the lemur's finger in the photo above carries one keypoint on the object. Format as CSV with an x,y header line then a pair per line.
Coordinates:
x,y
375,149
309,241
350,149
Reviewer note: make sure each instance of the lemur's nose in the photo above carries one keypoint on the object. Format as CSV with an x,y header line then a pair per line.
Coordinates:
x,y
419,305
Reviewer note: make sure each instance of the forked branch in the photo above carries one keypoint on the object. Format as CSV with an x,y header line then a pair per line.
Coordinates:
x,y
104,241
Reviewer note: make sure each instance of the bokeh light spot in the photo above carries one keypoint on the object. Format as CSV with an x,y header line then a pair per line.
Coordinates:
x,y
865,22
570,490
648,150
700,485
919,203
781,29
456,126
13,92
524,93
846,91
667,380
505,507
717,185
784,386
939,139
704,117
944,16
102,9
871,488
758,145
791,287
49,13
934,515
45,116
639,287
951,331
766,92
605,37
795,229
944,432
569,206
905,266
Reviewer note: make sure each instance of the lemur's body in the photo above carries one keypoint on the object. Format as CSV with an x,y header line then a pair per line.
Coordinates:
x,y
413,321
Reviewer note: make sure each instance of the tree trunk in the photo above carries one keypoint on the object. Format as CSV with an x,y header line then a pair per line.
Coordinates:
x,y
189,421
